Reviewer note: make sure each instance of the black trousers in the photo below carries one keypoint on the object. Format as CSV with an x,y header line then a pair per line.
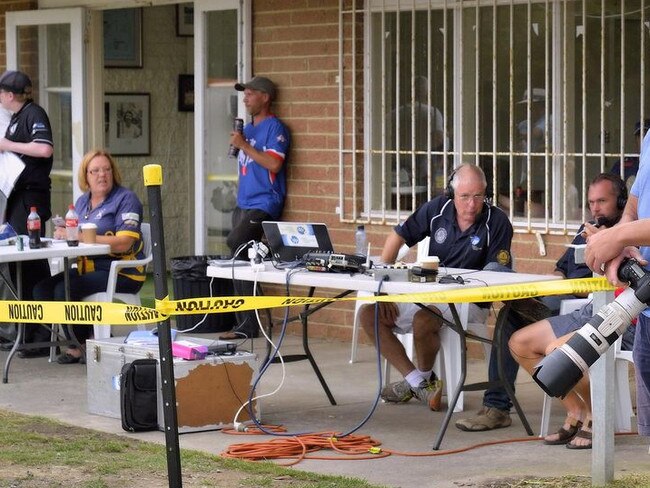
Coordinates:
x,y
246,226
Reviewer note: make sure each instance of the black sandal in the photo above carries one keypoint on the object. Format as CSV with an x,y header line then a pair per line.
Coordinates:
x,y
565,435
582,434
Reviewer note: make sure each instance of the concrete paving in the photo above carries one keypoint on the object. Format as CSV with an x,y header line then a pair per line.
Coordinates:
x,y
59,392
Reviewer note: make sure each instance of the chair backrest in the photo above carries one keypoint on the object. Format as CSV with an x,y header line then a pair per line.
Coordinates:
x,y
145,229
423,248
569,305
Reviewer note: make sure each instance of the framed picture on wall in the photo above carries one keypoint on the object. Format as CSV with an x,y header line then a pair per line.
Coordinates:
x,y
127,124
186,93
123,38
185,19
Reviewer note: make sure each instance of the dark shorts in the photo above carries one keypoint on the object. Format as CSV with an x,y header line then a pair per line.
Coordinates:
x,y
565,324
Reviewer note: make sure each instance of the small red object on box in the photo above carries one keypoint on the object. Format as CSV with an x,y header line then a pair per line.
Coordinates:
x,y
189,350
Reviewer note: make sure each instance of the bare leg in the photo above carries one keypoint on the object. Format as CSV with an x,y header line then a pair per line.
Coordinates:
x,y
391,348
578,401
426,336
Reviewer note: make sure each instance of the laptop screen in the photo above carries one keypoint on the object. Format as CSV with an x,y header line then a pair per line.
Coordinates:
x,y
290,241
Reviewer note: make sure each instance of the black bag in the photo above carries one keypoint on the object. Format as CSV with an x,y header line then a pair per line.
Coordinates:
x,y
138,395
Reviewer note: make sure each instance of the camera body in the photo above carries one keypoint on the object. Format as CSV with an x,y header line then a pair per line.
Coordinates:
x,y
559,372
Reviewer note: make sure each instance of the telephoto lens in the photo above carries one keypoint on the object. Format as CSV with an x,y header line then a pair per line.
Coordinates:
x,y
561,370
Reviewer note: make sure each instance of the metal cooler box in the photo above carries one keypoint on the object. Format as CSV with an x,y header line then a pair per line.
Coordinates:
x,y
208,392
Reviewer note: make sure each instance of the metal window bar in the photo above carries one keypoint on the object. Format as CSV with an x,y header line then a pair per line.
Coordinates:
x,y
567,25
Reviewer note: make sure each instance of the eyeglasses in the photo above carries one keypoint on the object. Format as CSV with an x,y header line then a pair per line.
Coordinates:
x,y
477,198
96,171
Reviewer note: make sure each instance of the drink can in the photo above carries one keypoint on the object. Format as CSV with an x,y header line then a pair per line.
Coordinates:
x,y
237,126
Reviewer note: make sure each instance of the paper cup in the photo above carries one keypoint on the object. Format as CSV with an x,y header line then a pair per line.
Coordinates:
x,y
430,262
89,233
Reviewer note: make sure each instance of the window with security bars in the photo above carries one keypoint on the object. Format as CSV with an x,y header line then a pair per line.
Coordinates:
x,y
543,95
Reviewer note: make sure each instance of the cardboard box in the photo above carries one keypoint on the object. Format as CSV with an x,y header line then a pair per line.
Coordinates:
x,y
208,391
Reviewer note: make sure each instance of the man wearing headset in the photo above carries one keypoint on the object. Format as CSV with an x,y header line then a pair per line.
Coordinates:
x,y
466,232
606,196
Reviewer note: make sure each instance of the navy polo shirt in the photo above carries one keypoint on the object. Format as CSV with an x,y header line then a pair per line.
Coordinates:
x,y
567,263
487,240
31,124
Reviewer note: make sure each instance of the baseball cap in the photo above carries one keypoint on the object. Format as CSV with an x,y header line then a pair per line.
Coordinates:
x,y
538,95
15,82
259,83
637,126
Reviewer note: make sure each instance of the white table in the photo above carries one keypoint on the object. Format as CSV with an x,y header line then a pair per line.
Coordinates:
x,y
58,249
348,283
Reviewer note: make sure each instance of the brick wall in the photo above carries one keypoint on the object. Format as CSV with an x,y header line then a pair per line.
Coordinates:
x,y
10,6
296,45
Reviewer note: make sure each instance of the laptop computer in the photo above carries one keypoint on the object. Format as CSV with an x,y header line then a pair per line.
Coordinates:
x,y
290,241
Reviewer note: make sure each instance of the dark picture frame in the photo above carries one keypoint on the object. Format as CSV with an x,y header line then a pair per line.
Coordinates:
x,y
127,124
186,93
185,19
123,38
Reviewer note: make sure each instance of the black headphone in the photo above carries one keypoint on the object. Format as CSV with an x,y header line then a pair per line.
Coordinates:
x,y
619,184
449,189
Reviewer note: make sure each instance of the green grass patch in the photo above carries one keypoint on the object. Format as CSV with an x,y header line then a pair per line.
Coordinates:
x,y
41,452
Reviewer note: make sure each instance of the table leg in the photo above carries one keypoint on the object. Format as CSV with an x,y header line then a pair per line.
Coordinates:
x,y
20,328
451,404
303,317
305,345
502,381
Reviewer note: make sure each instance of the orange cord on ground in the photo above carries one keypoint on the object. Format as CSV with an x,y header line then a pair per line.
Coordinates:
x,y
350,447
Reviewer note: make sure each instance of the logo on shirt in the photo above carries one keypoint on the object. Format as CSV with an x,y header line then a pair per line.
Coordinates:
x,y
38,127
131,219
440,235
12,129
475,241
503,257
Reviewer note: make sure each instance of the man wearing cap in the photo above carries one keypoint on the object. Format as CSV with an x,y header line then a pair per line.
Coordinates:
x,y
631,163
29,136
263,149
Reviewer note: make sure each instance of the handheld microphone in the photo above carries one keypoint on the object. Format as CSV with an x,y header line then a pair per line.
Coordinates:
x,y
237,126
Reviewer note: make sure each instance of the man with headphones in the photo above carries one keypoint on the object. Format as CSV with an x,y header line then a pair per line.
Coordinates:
x,y
607,196
466,232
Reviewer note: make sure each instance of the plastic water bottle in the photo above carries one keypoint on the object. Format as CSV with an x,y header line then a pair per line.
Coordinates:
x,y
72,227
361,240
34,229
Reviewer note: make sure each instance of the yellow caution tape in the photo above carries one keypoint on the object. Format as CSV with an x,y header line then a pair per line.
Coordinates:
x,y
77,313
120,314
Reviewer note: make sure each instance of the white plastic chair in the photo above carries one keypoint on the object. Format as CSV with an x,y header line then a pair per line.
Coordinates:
x,y
104,331
448,365
355,324
623,399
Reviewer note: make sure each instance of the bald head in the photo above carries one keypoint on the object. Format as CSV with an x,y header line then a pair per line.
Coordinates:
x,y
468,173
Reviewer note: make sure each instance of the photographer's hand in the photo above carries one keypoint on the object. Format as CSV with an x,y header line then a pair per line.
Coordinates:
x,y
602,247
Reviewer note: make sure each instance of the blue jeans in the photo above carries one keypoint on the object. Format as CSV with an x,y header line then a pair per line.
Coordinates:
x,y
641,355
498,397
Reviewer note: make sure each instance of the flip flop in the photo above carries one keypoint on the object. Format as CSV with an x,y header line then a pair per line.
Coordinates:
x,y
582,434
565,435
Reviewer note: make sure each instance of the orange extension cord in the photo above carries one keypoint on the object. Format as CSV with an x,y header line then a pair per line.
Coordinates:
x,y
350,447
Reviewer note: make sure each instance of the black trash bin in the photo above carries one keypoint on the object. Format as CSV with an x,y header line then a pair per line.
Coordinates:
x,y
190,281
